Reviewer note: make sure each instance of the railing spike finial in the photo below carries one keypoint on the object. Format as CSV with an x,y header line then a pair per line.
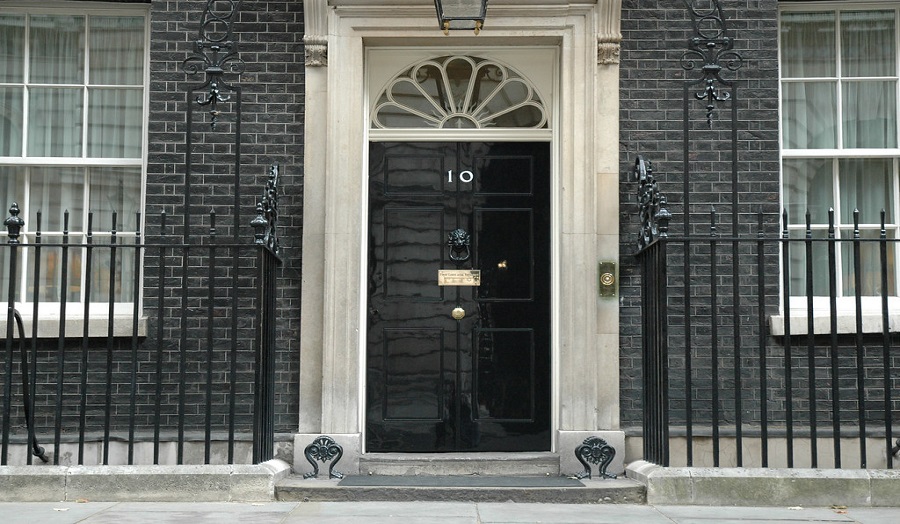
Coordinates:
x,y
784,223
831,230
14,223
259,224
663,216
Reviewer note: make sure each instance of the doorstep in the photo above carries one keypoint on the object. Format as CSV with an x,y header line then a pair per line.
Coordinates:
x,y
460,477
515,464
461,488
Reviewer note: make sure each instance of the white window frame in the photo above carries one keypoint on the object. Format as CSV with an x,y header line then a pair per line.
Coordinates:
x,y
871,305
99,311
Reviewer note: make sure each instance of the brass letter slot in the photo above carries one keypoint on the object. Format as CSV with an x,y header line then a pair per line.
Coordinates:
x,y
459,277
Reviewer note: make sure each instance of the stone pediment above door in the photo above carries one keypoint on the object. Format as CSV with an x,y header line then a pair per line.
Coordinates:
x,y
416,16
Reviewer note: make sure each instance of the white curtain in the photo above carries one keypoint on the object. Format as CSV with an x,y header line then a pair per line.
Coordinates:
x,y
869,106
11,121
55,115
117,50
867,43
809,108
12,48
55,122
12,67
115,114
808,187
868,49
115,189
809,113
865,184
114,123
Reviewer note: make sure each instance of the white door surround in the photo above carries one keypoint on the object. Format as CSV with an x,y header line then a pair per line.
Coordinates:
x,y
345,40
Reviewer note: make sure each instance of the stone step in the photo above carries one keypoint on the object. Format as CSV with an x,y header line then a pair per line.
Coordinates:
x,y
458,488
448,464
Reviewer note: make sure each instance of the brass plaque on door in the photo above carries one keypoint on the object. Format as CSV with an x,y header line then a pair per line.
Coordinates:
x,y
459,277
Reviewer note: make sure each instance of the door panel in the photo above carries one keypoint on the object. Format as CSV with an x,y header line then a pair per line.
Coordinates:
x,y
506,259
482,382
504,388
413,371
413,248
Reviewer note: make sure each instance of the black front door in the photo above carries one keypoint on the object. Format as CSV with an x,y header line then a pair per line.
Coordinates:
x,y
455,367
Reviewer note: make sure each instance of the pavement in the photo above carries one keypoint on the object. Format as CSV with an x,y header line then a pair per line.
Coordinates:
x,y
424,513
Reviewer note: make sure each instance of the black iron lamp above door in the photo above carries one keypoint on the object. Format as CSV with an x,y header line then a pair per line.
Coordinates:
x,y
461,14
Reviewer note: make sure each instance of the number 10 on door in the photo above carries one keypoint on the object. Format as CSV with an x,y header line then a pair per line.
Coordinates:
x,y
465,177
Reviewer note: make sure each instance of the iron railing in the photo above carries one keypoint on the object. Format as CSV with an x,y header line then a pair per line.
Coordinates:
x,y
180,372
746,364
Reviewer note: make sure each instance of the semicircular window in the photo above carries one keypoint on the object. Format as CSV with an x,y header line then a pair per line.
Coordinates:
x,y
459,92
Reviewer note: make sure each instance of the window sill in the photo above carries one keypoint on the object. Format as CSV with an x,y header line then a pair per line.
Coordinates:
x,y
98,327
846,323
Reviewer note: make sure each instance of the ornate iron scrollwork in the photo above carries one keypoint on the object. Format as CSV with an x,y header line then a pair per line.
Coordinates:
x,y
215,50
595,450
266,220
714,48
459,241
323,449
653,212
895,451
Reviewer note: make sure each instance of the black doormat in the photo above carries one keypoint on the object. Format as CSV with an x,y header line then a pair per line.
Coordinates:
x,y
457,481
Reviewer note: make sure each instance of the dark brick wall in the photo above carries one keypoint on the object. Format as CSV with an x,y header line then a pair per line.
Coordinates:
x,y
655,36
269,35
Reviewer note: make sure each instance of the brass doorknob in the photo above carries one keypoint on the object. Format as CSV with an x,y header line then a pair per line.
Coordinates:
x,y
458,313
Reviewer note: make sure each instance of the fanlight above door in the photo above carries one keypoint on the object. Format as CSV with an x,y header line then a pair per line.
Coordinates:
x,y
459,92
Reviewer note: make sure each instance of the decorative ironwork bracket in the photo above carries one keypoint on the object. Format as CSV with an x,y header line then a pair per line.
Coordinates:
x,y
215,50
323,449
595,450
895,451
654,214
714,48
266,221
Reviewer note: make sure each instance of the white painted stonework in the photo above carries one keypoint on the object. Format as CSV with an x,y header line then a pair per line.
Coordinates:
x,y
568,49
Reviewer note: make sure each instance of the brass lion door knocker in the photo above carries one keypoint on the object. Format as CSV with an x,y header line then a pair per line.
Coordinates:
x,y
459,241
